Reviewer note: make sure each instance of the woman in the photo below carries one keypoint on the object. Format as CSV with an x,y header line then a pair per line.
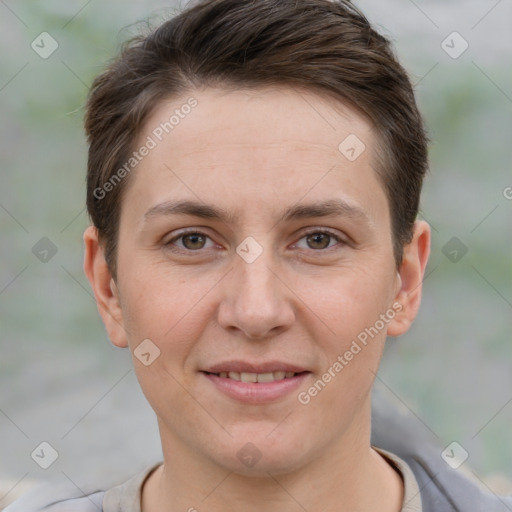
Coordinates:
x,y
254,177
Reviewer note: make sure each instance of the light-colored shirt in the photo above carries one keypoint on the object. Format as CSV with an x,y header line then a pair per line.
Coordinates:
x,y
127,496
412,496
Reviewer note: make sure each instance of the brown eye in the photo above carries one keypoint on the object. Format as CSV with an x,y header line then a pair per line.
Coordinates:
x,y
194,241
318,240
188,242
321,240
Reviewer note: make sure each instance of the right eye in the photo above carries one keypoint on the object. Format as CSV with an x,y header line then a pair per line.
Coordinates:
x,y
190,241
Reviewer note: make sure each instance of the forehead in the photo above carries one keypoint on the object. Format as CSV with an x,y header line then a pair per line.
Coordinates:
x,y
222,114
277,143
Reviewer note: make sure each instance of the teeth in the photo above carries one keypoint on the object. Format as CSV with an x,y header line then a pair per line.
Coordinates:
x,y
265,377
257,377
248,377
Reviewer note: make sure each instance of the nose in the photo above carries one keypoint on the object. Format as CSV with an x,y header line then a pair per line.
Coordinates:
x,y
256,300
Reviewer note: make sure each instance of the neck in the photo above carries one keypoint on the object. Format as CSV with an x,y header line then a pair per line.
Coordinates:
x,y
348,475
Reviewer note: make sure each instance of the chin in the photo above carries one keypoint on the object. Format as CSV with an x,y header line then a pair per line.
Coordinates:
x,y
258,454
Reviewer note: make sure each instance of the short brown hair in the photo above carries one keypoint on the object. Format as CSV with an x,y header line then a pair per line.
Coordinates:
x,y
327,46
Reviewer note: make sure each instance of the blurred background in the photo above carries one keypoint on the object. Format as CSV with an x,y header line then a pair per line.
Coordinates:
x,y
63,383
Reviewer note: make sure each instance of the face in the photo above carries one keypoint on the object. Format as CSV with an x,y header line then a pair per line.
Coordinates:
x,y
255,258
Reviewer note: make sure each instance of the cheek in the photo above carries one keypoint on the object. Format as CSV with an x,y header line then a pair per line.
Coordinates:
x,y
351,348
353,313
168,311
163,306
348,303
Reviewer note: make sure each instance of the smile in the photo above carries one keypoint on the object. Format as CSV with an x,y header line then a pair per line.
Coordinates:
x,y
256,377
252,387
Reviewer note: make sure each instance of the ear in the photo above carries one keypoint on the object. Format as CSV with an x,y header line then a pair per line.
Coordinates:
x,y
104,288
410,277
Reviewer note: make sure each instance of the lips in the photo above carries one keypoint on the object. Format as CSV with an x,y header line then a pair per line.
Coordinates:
x,y
256,383
256,377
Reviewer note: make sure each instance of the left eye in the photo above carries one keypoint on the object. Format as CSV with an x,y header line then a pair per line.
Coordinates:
x,y
192,241
318,240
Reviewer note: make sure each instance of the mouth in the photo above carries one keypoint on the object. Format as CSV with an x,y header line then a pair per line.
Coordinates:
x,y
256,377
256,383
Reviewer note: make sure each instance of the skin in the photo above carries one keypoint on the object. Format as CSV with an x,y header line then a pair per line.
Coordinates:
x,y
304,300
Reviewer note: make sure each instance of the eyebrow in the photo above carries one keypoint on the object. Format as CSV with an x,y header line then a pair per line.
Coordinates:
x,y
329,208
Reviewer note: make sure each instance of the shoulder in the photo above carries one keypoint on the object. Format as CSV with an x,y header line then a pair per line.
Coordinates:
x,y
442,487
64,496
58,496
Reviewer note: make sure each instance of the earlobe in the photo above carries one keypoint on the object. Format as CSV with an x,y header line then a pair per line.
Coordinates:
x,y
104,288
410,279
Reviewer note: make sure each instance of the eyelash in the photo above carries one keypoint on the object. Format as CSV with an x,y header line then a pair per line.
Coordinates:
x,y
339,240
